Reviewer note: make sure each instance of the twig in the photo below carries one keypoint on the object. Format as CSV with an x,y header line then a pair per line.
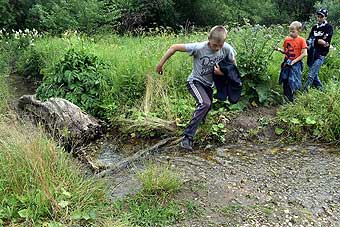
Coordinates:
x,y
114,168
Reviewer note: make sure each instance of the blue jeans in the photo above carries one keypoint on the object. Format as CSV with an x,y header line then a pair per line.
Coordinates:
x,y
313,74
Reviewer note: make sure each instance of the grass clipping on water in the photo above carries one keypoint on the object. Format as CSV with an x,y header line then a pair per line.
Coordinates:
x,y
40,183
144,119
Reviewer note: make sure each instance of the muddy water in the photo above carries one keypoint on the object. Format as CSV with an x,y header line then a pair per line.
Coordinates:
x,y
252,185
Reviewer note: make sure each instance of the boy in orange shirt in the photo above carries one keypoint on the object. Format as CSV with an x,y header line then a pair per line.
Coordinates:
x,y
294,49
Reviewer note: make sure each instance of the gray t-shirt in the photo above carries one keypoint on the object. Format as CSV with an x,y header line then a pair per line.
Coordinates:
x,y
205,59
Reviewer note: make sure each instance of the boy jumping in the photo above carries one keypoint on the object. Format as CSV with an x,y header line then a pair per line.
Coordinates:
x,y
206,56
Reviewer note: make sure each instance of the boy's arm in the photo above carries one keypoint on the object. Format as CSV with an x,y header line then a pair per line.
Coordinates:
x,y
279,50
302,55
168,54
326,39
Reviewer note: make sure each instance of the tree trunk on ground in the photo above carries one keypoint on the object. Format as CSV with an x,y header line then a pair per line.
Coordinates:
x,y
63,119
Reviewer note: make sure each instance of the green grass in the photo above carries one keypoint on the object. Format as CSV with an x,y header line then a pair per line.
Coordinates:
x,y
133,91
154,204
40,183
314,114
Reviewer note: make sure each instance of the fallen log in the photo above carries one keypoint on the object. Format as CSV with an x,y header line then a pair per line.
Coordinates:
x,y
62,119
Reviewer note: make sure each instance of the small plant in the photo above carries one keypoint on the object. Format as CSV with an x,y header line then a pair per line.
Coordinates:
x,y
152,206
159,180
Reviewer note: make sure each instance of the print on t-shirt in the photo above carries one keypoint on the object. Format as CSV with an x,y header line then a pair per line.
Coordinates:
x,y
208,64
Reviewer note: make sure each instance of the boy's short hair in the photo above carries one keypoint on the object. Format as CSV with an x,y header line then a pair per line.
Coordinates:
x,y
296,25
218,33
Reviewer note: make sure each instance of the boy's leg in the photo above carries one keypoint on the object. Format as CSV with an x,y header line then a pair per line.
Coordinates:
x,y
210,95
287,91
316,82
203,97
313,74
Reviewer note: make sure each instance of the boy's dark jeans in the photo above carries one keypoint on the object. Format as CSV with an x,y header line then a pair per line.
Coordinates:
x,y
287,91
203,96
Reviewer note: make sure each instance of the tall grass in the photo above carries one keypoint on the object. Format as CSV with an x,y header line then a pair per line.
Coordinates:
x,y
132,89
314,114
39,183
4,95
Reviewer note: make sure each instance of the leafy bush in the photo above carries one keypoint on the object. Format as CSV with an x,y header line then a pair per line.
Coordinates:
x,y
78,78
254,45
314,114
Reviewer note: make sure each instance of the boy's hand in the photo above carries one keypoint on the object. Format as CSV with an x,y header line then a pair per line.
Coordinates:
x,y
289,62
276,48
323,43
159,69
217,70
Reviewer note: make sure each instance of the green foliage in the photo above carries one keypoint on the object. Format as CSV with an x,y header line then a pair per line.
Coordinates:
x,y
4,94
299,10
138,15
14,13
77,78
30,64
315,114
254,47
40,184
333,8
5,54
59,16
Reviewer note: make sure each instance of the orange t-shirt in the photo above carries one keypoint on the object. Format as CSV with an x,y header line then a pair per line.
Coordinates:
x,y
293,47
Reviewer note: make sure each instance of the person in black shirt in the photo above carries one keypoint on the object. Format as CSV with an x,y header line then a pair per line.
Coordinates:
x,y
318,42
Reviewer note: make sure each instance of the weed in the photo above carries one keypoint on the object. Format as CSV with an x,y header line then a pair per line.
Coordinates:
x,y
40,182
159,180
314,114
153,205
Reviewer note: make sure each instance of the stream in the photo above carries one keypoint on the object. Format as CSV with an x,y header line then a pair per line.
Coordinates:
x,y
249,184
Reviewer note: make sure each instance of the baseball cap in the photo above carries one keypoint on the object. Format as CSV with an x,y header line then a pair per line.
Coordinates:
x,y
322,12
